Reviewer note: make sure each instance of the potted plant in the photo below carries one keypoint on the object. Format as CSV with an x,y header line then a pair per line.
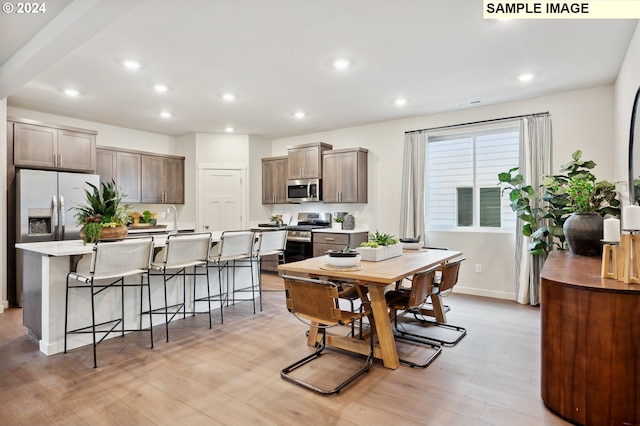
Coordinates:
x,y
544,212
379,247
337,222
102,216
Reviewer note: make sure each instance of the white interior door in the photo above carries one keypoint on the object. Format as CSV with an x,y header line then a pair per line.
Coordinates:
x,y
222,199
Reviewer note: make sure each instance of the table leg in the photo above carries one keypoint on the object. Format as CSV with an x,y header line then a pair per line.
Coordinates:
x,y
384,331
312,339
438,308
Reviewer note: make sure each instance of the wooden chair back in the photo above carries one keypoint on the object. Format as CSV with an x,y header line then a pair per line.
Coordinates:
x,y
421,288
314,300
450,273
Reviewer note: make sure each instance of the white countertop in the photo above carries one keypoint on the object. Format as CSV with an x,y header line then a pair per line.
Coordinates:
x,y
77,247
357,230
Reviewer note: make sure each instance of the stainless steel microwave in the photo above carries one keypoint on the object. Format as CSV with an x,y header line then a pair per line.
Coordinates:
x,y
304,190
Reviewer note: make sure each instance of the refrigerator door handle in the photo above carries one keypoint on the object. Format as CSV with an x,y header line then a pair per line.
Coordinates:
x,y
54,214
62,218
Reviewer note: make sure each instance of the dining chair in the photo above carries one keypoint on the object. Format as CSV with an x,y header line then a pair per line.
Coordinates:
x,y
408,300
315,303
443,285
234,247
182,252
110,264
269,243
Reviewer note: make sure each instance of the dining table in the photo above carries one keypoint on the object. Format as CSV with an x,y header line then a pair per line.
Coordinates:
x,y
376,277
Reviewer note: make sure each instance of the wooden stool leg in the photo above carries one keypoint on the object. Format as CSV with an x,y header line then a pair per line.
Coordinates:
x,y
609,261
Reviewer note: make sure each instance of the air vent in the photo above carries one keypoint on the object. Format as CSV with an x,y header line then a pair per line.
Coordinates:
x,y
471,103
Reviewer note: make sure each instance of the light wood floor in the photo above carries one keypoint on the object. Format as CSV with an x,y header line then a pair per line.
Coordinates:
x,y
230,375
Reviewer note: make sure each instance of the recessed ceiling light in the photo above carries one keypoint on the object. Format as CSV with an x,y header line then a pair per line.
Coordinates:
x,y
131,64
341,64
160,88
525,77
166,114
400,101
228,96
299,115
229,129
71,92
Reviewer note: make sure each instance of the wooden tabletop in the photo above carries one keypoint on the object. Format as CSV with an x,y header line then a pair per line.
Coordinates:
x,y
385,272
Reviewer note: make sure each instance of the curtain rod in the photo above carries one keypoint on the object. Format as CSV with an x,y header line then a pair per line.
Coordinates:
x,y
478,122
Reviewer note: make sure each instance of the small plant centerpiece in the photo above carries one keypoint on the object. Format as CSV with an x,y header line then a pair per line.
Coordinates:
x,y
103,216
571,196
337,222
379,247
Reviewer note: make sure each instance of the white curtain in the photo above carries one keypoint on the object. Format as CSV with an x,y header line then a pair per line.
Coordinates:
x,y
535,162
412,210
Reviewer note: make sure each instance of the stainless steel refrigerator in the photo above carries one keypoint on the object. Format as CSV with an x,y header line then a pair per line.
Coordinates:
x,y
44,202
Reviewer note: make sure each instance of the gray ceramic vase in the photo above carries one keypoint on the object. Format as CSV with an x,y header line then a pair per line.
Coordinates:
x,y
583,233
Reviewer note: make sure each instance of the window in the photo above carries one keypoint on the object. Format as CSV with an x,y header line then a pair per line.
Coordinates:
x,y
462,179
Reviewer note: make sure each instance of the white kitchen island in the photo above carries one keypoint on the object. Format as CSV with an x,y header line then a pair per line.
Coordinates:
x,y
46,265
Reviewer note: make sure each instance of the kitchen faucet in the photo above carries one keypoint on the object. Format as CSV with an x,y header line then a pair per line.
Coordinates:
x,y
175,218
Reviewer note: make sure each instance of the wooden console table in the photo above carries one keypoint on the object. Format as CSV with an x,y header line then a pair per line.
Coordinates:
x,y
590,343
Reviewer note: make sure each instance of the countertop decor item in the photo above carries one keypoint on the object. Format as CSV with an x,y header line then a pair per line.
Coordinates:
x,y
103,216
379,247
349,222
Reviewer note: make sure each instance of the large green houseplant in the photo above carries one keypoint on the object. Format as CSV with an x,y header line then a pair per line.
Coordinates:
x,y
103,210
544,210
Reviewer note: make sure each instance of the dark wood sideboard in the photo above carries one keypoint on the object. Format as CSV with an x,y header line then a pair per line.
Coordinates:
x,y
590,371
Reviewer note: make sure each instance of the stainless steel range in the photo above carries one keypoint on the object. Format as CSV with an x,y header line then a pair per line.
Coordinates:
x,y
299,241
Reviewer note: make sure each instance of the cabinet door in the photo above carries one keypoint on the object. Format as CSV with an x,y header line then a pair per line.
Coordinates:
x,y
349,177
274,181
128,173
76,150
35,146
332,178
295,163
173,180
106,164
151,179
311,168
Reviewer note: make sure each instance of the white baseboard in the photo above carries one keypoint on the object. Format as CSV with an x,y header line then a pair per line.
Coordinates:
x,y
485,293
4,305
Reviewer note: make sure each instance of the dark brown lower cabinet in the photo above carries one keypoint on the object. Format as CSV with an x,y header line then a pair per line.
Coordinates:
x,y
590,372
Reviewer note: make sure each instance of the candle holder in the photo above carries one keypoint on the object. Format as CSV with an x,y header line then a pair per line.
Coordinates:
x,y
629,256
611,267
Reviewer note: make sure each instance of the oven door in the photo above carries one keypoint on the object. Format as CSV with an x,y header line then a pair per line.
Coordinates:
x,y
304,190
297,250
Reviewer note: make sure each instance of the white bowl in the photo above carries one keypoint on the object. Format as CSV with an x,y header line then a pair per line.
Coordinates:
x,y
412,246
343,262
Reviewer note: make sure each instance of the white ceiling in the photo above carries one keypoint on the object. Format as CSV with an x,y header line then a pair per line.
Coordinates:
x,y
276,57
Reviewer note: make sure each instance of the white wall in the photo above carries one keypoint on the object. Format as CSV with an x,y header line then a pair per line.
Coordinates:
x,y
582,119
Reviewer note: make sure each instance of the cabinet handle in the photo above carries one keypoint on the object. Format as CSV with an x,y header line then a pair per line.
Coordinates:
x,y
329,239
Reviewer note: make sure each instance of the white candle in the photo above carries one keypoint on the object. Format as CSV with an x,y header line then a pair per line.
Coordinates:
x,y
631,218
612,230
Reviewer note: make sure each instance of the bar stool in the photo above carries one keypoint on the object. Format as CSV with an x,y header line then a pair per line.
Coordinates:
x,y
111,263
234,246
269,243
183,251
